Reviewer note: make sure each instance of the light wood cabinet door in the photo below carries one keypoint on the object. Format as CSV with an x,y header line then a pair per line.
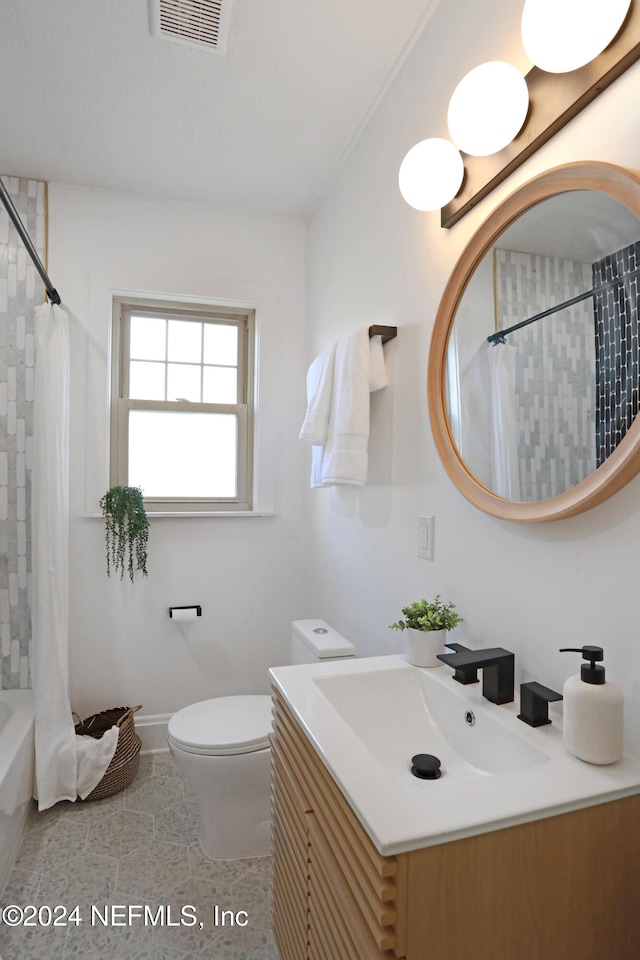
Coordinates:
x,y
335,896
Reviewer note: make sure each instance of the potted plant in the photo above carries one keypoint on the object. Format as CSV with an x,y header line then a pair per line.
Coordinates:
x,y
427,623
126,530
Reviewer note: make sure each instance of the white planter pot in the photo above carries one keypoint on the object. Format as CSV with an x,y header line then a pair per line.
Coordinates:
x,y
423,646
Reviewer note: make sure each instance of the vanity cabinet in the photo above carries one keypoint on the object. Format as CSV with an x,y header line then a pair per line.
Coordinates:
x,y
335,897
564,887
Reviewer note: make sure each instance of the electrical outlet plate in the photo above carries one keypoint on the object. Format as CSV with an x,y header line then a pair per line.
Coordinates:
x,y
426,527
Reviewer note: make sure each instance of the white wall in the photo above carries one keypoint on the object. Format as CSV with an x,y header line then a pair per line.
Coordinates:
x,y
530,588
247,573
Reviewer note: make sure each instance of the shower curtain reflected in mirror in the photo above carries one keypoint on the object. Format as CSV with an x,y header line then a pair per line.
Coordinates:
x,y
486,429
505,473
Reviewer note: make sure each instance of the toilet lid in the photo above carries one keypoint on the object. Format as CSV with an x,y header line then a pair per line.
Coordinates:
x,y
225,725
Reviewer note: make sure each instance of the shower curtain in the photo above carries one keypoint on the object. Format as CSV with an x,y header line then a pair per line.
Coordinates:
x,y
505,474
66,766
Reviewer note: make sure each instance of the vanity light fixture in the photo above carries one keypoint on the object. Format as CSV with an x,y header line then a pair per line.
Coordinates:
x,y
564,35
608,37
487,108
431,174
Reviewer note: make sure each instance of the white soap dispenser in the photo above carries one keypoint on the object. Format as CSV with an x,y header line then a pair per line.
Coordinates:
x,y
593,711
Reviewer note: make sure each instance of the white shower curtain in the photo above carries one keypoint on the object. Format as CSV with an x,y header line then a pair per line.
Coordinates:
x,y
66,765
505,473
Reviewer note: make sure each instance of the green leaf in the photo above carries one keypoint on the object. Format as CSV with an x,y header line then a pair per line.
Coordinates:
x,y
126,530
428,615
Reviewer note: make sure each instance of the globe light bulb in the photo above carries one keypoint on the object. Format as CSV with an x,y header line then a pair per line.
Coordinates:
x,y
431,174
563,35
487,108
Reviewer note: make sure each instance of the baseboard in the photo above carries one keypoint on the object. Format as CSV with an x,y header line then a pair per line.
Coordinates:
x,y
152,730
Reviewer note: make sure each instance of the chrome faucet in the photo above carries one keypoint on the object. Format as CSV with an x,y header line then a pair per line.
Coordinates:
x,y
497,667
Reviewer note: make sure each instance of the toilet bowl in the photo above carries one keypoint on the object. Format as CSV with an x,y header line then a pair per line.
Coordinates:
x,y
222,747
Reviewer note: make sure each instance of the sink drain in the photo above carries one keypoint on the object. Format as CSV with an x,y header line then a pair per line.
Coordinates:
x,y
425,766
470,718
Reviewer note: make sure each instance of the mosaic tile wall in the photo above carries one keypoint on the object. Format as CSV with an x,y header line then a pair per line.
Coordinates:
x,y
20,291
555,370
617,349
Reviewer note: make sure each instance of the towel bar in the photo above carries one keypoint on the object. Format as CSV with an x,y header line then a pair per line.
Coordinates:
x,y
387,333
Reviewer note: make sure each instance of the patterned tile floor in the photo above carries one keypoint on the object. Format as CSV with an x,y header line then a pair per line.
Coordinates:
x,y
134,859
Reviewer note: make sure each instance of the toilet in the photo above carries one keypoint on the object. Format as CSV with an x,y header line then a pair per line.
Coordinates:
x,y
222,747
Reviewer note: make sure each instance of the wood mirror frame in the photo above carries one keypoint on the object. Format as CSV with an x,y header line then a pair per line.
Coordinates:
x,y
624,462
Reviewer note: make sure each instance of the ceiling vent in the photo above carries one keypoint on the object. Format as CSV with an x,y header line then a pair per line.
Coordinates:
x,y
201,23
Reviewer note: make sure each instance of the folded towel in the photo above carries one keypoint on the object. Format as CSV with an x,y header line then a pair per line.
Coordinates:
x,y
319,388
377,369
317,456
345,459
339,382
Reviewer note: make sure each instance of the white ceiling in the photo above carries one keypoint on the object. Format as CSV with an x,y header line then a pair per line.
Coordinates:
x,y
88,96
582,226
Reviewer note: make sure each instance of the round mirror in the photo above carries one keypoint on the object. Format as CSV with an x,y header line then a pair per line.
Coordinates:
x,y
534,370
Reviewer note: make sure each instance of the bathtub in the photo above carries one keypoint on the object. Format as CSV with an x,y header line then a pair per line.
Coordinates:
x,y
16,773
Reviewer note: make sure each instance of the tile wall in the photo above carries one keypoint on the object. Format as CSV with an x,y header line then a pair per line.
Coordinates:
x,y
555,369
20,291
617,349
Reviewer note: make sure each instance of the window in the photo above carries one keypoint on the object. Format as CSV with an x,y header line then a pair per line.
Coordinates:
x,y
181,411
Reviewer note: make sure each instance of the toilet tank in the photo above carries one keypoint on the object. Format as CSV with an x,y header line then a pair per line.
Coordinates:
x,y
314,640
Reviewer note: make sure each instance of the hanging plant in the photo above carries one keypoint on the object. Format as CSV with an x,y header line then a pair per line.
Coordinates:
x,y
126,530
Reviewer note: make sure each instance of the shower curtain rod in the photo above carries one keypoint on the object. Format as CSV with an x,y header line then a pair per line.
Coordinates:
x,y
387,333
52,293
499,336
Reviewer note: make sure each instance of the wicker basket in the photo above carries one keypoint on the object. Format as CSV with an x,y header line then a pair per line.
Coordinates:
x,y
125,761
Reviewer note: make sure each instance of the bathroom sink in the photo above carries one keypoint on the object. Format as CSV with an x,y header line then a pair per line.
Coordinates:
x,y
399,713
367,718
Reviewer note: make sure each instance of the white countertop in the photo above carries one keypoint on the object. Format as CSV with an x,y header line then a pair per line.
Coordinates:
x,y
400,812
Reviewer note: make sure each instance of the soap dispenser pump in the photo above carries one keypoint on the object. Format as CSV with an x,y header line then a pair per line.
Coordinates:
x,y
593,711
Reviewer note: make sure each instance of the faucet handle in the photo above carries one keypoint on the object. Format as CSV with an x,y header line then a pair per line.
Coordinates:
x,y
463,675
534,703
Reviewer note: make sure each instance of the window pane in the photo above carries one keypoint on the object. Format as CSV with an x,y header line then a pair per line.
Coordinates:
x,y
183,382
185,341
221,344
220,385
183,454
147,338
146,380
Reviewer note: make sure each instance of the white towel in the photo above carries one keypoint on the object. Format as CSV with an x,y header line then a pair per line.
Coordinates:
x,y
345,453
94,756
317,456
319,389
336,423
377,369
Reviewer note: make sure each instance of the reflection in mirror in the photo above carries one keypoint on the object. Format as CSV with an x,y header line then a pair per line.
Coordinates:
x,y
536,410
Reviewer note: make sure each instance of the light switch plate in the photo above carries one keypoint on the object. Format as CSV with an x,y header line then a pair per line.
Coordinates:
x,y
426,534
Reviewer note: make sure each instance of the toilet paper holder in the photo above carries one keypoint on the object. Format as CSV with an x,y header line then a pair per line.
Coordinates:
x,y
190,612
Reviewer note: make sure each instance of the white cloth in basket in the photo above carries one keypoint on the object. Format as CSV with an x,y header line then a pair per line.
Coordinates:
x,y
94,756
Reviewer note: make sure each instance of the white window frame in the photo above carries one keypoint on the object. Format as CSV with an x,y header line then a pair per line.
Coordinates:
x,y
121,404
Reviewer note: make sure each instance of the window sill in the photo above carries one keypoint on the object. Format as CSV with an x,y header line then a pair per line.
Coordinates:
x,y
187,515
209,513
